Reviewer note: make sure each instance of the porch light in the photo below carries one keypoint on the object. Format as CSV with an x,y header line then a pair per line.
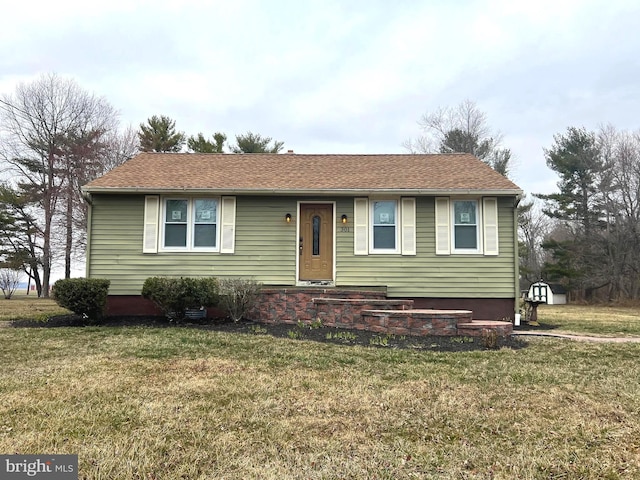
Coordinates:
x,y
344,219
287,217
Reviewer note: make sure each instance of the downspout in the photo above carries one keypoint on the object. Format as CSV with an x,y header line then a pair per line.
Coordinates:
x,y
516,256
87,254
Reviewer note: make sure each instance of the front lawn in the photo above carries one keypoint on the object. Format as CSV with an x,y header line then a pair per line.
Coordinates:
x,y
23,306
169,403
612,321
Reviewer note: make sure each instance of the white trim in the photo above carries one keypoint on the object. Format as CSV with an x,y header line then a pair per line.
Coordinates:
x,y
360,226
150,227
490,226
227,224
408,225
442,233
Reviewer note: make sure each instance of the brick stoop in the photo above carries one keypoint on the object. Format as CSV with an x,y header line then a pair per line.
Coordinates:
x,y
418,322
294,304
368,310
477,328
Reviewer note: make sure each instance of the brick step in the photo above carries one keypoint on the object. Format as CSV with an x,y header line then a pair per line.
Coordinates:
x,y
419,322
347,312
294,304
478,328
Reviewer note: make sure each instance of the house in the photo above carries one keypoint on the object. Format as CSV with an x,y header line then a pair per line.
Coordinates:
x,y
438,230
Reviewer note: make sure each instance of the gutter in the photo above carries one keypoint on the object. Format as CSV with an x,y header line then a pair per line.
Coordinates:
x,y
291,192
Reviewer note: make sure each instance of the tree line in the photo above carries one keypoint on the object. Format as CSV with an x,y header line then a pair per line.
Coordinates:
x,y
159,134
55,137
592,244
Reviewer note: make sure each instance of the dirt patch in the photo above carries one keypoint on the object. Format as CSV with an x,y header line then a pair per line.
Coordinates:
x,y
312,332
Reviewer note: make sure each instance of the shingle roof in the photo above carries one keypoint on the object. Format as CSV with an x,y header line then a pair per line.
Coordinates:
x,y
295,173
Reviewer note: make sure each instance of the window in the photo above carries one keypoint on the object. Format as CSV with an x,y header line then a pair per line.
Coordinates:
x,y
384,236
175,228
190,224
384,226
465,225
204,220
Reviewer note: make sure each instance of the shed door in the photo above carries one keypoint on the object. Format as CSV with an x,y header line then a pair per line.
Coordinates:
x,y
316,242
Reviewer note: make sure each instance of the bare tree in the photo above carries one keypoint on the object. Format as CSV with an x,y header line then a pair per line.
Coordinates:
x,y
121,146
115,148
620,187
533,228
9,281
461,129
54,131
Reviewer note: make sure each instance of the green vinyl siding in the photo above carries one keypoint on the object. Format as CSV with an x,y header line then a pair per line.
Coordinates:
x,y
428,275
265,245
266,249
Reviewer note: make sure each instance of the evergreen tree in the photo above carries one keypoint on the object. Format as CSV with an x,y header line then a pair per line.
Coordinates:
x,y
159,135
255,143
580,257
199,144
576,158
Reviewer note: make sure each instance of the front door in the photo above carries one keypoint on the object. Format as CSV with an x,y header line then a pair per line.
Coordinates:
x,y
316,242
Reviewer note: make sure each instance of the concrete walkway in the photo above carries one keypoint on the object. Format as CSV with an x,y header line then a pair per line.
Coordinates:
x,y
581,338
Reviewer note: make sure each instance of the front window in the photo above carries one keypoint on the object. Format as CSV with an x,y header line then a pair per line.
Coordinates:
x,y
191,224
465,225
204,228
384,237
175,229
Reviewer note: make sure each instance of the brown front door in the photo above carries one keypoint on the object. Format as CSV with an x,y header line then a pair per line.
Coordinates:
x,y
316,242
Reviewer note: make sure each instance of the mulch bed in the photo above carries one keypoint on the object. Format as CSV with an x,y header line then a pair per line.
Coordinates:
x,y
314,333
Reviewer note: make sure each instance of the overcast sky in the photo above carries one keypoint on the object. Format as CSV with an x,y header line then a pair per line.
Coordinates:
x,y
342,76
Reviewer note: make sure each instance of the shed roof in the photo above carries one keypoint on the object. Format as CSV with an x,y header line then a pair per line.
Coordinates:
x,y
295,173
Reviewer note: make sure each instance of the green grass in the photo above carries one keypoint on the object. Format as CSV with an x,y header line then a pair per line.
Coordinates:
x,y
144,403
29,307
592,319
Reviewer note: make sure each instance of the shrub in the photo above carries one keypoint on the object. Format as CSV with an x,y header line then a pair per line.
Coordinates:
x,y
174,296
83,296
490,339
9,281
238,296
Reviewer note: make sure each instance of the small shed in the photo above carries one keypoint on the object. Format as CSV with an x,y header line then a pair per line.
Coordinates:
x,y
549,293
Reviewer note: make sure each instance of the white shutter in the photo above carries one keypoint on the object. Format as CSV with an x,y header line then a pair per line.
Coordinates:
x,y
443,230
150,229
361,226
490,225
228,225
408,226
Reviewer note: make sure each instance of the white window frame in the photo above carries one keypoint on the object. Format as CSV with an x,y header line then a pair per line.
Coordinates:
x,y
190,225
478,225
397,226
